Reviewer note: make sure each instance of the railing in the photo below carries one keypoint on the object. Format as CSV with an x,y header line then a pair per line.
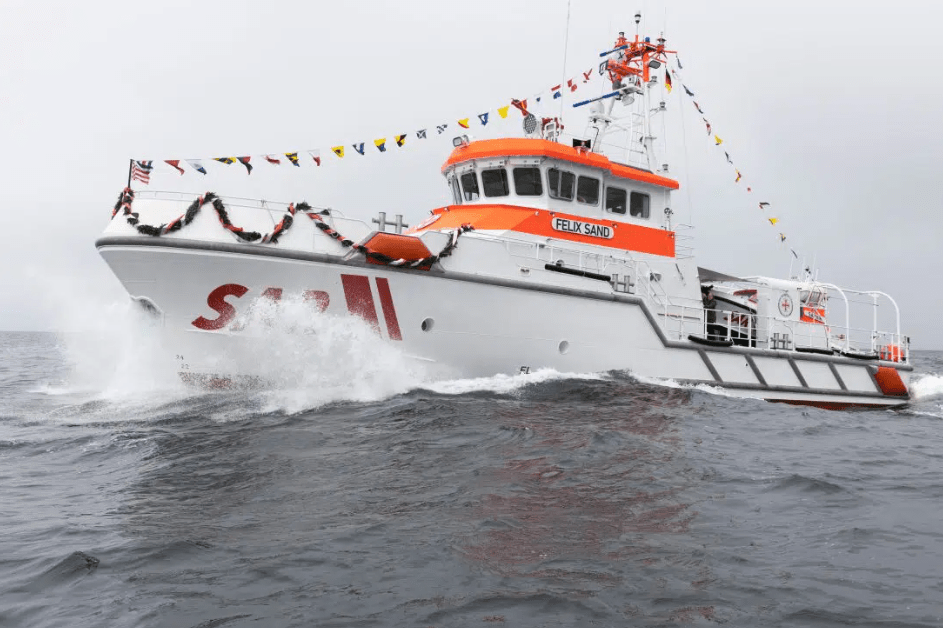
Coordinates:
x,y
553,253
601,263
273,208
641,274
875,343
771,332
678,315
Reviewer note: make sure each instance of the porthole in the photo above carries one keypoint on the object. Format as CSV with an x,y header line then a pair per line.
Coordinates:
x,y
564,347
427,324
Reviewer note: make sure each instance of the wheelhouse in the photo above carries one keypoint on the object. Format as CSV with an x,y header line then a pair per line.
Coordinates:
x,y
549,176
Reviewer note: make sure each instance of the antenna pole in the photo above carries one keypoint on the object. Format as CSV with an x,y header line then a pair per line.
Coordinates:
x,y
566,43
629,66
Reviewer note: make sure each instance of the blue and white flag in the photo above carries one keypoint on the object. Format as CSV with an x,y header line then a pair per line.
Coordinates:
x,y
196,165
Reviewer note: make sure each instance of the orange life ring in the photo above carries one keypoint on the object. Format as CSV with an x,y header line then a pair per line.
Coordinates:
x,y
891,353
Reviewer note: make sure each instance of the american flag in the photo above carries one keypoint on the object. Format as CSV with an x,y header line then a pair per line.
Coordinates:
x,y
141,171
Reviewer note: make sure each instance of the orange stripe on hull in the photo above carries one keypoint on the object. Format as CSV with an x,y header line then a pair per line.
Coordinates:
x,y
523,147
890,382
627,237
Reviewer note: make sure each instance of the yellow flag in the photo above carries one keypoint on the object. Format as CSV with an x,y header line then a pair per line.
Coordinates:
x,y
503,111
463,123
380,144
338,150
718,140
773,221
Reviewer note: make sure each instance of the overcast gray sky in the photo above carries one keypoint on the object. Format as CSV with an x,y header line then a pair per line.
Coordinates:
x,y
833,111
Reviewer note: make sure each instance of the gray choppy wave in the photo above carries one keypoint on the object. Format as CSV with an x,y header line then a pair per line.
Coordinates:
x,y
567,502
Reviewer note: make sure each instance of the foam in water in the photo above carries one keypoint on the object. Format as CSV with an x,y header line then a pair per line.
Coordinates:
x,y
927,386
309,359
303,360
705,388
504,384
115,352
655,381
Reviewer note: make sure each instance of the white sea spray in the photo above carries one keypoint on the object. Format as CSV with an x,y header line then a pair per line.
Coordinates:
x,y
504,384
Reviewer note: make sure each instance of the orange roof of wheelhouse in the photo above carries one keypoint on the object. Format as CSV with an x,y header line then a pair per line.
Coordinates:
x,y
518,147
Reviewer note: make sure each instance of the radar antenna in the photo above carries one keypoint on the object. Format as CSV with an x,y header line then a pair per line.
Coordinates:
x,y
629,65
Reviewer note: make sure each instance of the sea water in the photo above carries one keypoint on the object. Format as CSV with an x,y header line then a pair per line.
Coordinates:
x,y
357,490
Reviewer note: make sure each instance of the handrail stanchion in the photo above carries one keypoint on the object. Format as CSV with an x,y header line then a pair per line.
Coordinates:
x,y
896,311
847,314
874,310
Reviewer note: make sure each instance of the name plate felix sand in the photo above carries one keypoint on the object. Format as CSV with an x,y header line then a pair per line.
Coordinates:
x,y
582,228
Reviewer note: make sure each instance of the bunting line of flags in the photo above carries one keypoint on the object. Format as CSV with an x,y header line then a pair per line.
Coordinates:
x,y
764,206
141,170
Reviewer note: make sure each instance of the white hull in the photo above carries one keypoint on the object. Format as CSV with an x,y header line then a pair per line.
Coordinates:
x,y
567,260
475,324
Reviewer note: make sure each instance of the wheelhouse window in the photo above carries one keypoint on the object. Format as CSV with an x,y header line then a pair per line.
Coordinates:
x,y
456,192
587,190
470,186
495,182
616,200
639,205
527,182
560,184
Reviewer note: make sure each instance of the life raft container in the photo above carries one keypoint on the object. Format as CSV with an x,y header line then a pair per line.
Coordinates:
x,y
404,249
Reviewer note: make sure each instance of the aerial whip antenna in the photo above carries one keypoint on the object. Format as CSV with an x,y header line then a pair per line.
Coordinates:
x,y
566,42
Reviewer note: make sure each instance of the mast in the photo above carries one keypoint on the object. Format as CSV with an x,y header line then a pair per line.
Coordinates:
x,y
629,65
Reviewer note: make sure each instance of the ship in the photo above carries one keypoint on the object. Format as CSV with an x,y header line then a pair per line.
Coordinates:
x,y
550,255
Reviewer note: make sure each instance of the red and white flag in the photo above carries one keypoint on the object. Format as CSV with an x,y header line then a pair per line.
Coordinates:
x,y
273,160
175,163
141,171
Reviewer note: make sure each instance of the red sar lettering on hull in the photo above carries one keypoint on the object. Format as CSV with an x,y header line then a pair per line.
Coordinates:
x,y
357,293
